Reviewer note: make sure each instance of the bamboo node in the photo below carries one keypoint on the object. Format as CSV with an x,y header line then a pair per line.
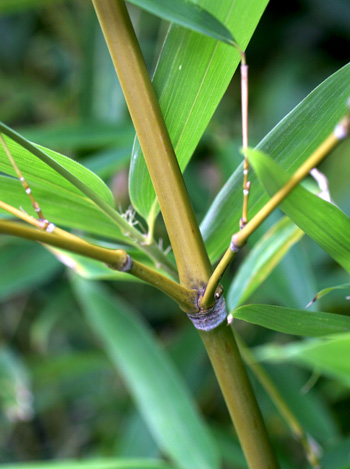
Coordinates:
x,y
209,319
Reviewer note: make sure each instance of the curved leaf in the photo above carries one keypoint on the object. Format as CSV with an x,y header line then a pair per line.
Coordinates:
x,y
189,15
263,258
325,291
289,143
322,221
294,321
159,393
191,77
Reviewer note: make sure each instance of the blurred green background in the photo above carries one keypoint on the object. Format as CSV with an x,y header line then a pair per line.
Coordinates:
x,y
60,396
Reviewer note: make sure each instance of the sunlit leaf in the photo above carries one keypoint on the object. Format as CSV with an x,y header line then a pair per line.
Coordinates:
x,y
321,220
294,321
158,390
289,143
191,77
189,15
259,263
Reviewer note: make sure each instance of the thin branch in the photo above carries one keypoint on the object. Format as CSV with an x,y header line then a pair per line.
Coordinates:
x,y
341,131
116,259
135,237
244,106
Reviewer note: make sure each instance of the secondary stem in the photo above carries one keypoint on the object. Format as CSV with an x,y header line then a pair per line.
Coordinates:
x,y
117,259
240,238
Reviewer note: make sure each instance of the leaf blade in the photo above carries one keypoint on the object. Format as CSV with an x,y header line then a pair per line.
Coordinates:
x,y
189,15
191,77
141,362
289,143
294,321
322,221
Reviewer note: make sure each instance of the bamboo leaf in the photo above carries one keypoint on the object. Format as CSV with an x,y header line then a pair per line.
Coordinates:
x,y
191,77
157,389
322,221
93,464
294,321
81,196
260,262
9,6
289,143
189,15
325,291
325,355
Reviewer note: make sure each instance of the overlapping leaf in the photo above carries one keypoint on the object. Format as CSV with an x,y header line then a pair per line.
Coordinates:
x,y
157,389
294,321
188,14
57,183
93,464
322,221
191,77
289,143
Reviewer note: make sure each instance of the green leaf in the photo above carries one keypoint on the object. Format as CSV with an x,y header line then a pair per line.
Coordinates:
x,y
325,291
191,77
322,221
70,194
326,356
294,321
159,393
36,267
60,203
93,464
81,135
289,143
188,14
259,263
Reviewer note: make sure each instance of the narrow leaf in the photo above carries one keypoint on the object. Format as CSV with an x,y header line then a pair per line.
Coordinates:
x,y
289,143
189,15
325,291
260,262
63,176
294,321
191,77
158,391
322,221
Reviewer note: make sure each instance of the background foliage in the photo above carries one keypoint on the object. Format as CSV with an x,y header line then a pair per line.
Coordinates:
x,y
60,394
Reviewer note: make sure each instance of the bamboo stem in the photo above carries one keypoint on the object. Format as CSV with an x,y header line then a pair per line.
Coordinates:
x,y
190,254
239,397
186,240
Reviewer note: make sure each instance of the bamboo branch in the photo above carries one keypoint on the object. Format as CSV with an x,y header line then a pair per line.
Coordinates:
x,y
244,106
116,259
341,131
186,240
134,236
